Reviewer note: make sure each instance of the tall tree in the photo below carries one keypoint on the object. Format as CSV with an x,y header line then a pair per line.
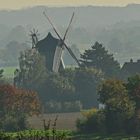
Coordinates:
x,y
1,73
15,106
32,69
99,58
35,76
18,100
118,106
59,88
2,80
133,87
86,81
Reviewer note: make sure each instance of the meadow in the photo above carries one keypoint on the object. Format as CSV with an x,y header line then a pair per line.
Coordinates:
x,y
9,71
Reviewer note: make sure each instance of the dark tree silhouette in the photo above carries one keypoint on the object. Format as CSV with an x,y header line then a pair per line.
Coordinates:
x,y
99,58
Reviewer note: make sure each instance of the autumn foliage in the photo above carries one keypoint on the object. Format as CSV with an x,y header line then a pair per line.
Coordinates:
x,y
19,100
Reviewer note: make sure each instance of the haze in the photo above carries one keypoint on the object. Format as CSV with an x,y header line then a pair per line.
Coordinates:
x,y
17,4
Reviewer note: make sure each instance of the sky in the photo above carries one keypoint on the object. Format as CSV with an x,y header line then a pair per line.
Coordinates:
x,y
17,4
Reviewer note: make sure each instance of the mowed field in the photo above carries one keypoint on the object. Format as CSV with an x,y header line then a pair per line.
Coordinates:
x,y
66,121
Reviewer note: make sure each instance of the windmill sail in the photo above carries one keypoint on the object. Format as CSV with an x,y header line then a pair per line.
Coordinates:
x,y
63,40
57,58
52,48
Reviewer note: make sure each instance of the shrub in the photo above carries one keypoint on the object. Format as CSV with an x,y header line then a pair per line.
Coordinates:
x,y
93,122
15,106
13,122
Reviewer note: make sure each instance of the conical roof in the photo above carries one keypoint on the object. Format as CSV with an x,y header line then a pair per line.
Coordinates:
x,y
48,44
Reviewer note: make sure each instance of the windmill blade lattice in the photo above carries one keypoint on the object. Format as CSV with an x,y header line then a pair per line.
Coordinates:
x,y
68,27
34,37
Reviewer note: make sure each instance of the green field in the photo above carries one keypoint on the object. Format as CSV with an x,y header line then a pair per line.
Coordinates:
x,y
8,71
104,137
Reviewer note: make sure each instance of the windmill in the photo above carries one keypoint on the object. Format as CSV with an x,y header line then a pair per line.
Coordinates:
x,y
52,48
61,45
34,37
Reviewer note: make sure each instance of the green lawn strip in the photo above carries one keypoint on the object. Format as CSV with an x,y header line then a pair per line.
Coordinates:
x,y
9,71
106,137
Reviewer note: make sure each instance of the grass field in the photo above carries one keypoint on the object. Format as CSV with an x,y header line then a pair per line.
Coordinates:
x,y
8,71
104,137
66,121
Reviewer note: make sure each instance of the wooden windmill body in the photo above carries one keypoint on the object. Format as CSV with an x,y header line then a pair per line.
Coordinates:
x,y
49,47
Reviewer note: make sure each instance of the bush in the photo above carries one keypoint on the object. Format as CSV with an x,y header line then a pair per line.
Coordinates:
x,y
121,112
93,122
15,106
13,122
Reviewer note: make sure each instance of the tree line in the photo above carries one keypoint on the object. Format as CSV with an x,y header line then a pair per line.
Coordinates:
x,y
96,82
121,111
76,87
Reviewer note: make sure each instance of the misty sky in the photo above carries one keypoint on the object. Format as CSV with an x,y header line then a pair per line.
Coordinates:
x,y
17,4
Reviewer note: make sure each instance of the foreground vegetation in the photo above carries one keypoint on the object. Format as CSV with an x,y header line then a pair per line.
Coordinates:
x,y
36,135
107,137
120,113
62,135
37,90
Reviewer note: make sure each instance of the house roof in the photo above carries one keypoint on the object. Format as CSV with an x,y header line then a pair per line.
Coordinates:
x,y
132,67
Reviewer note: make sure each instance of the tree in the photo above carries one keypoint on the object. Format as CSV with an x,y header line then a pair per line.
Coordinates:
x,y
1,76
86,81
133,87
121,112
118,106
32,69
1,73
99,58
13,99
114,95
15,106
93,122
59,88
50,86
68,73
